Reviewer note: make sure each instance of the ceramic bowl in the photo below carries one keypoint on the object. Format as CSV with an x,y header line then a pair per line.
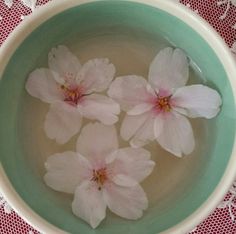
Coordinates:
x,y
183,191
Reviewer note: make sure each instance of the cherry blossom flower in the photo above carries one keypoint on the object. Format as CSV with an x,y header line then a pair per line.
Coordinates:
x,y
157,110
101,175
70,89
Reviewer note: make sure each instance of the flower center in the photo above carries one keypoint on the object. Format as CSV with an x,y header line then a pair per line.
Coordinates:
x,y
72,94
100,177
163,103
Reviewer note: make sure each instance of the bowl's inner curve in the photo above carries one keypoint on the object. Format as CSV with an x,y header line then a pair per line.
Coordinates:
x,y
130,41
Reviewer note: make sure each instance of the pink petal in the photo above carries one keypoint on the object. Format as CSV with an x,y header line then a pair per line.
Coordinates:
x,y
197,101
127,202
140,109
89,204
41,84
96,75
99,107
97,140
177,135
145,133
63,62
131,124
169,69
134,163
62,122
129,91
65,171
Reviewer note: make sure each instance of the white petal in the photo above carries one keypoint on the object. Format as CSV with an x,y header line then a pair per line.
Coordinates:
x,y
144,134
129,91
97,74
134,163
97,140
169,69
62,122
41,84
140,109
151,90
127,202
131,124
110,158
65,171
177,135
124,180
89,204
158,125
62,61
100,107
197,101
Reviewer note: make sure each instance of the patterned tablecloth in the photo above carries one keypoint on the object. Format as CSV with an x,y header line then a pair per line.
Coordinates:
x,y
221,14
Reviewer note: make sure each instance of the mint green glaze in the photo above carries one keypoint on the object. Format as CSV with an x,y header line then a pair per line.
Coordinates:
x,y
83,20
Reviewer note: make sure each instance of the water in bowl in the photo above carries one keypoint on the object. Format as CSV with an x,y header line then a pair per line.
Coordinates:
x,y
131,51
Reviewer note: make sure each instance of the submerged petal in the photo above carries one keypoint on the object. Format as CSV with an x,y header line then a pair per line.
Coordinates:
x,y
177,135
134,163
131,125
169,69
100,107
89,204
140,109
65,171
41,84
62,61
97,140
197,101
62,122
130,91
127,202
96,75
145,133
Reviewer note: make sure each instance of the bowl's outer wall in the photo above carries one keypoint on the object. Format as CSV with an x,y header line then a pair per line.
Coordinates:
x,y
88,18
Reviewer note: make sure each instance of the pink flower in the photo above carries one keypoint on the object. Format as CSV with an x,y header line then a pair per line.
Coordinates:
x,y
157,110
100,175
70,89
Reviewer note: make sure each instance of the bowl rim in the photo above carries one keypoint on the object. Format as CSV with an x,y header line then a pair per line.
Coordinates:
x,y
192,20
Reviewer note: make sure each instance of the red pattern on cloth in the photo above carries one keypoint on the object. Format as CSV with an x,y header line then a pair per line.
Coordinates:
x,y
220,221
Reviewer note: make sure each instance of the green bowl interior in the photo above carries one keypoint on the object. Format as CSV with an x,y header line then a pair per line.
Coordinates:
x,y
85,20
